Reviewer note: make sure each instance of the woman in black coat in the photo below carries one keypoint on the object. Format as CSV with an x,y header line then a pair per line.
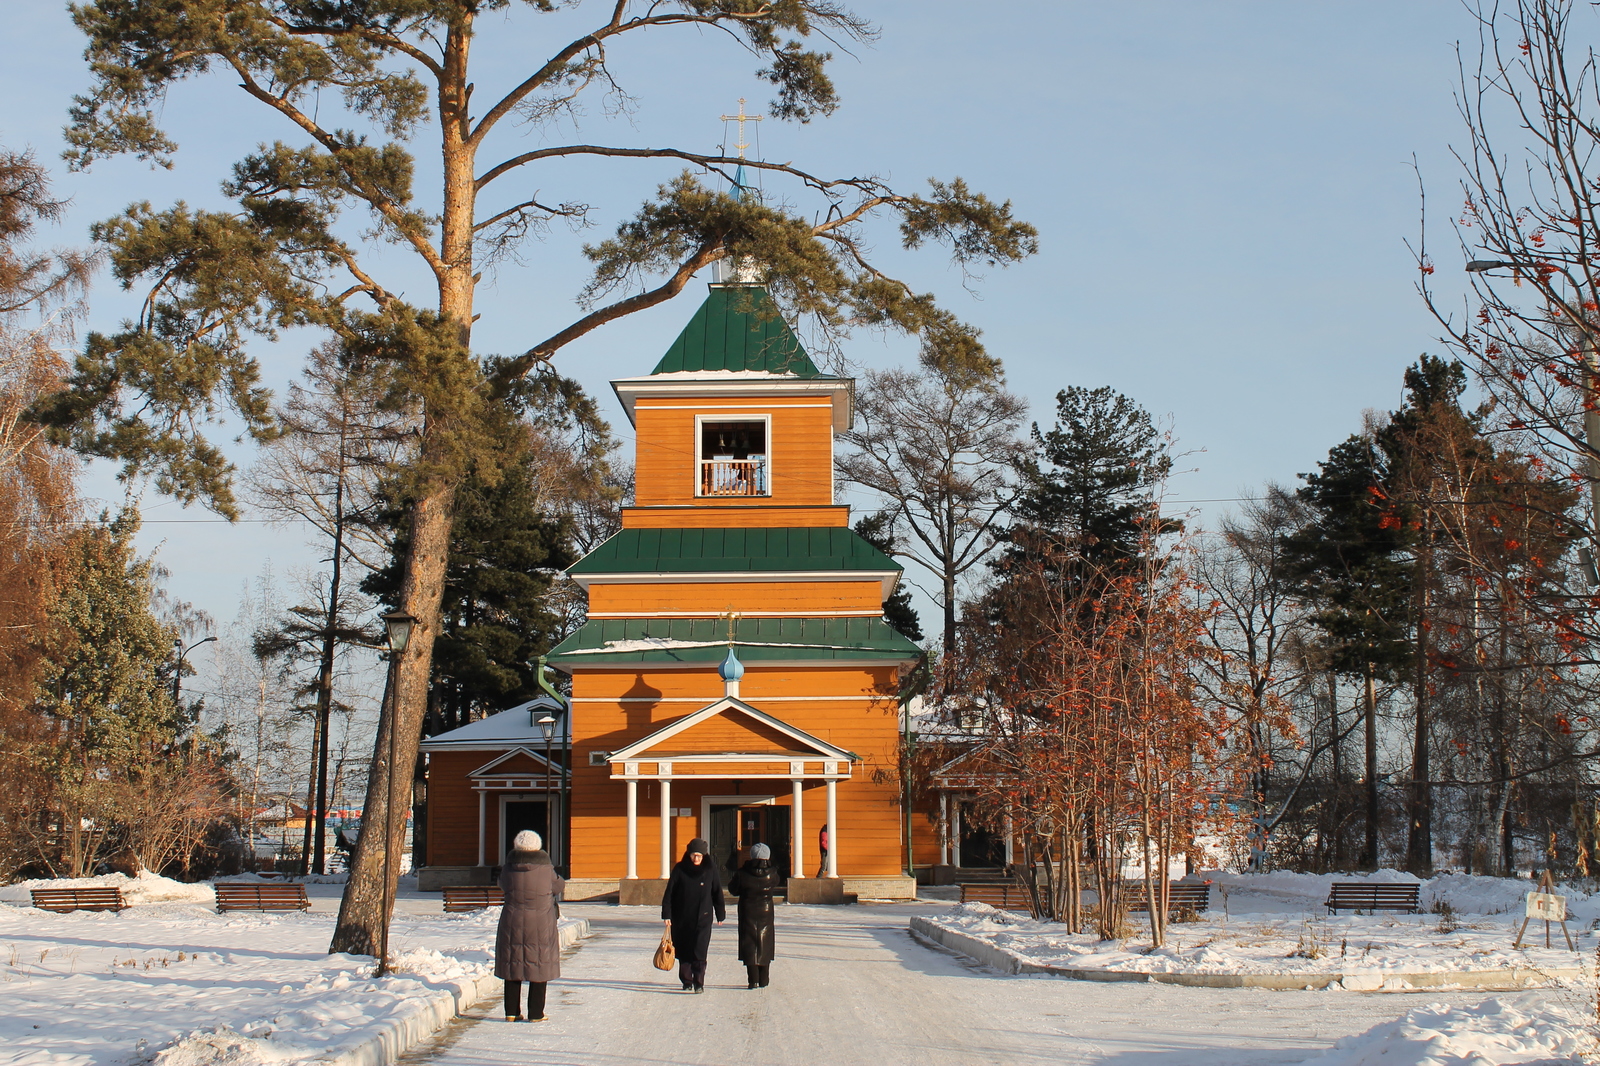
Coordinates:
x,y
693,896
754,884
526,944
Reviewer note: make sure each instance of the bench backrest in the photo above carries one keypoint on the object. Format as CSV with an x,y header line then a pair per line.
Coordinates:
x,y
1007,897
246,895
472,897
99,898
1187,895
1361,896
1356,890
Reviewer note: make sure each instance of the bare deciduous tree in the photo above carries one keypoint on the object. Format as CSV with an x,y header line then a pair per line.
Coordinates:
x,y
938,445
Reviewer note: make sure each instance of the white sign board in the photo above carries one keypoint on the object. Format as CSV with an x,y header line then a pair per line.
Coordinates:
x,y
1547,907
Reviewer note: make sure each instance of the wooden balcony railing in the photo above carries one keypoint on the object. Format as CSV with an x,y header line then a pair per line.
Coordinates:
x,y
733,477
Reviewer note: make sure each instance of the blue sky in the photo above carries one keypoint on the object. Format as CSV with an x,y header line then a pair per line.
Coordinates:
x,y
1223,193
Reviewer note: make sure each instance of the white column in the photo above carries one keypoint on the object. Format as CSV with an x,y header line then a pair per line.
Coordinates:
x,y
633,830
944,829
797,833
833,828
666,828
1009,835
482,813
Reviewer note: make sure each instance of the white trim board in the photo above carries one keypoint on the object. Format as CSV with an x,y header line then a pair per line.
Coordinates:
x,y
822,748
889,579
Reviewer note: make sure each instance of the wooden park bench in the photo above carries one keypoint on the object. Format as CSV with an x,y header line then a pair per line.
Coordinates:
x,y
255,896
61,900
1182,896
1002,894
471,897
1373,896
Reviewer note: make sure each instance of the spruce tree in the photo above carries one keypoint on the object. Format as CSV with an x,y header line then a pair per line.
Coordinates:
x,y
1089,487
878,531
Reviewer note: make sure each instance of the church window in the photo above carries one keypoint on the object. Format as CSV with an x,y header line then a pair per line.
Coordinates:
x,y
733,458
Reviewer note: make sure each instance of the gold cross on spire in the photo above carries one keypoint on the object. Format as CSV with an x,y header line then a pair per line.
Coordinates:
x,y
732,617
741,118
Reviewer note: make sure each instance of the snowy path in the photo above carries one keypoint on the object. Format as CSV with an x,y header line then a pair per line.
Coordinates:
x,y
851,986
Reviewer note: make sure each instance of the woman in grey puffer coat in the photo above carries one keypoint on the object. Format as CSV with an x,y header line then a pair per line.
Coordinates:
x,y
526,945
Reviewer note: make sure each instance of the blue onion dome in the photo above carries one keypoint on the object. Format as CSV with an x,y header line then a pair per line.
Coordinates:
x,y
731,669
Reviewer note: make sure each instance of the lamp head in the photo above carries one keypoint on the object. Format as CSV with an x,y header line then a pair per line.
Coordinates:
x,y
547,726
399,626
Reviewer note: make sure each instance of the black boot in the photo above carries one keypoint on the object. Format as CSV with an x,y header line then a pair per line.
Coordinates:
x,y
753,973
763,974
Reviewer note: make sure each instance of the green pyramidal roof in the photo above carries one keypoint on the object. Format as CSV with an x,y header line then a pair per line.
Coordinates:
x,y
737,328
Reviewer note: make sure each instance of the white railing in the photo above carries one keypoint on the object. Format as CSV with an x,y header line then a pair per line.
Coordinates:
x,y
733,477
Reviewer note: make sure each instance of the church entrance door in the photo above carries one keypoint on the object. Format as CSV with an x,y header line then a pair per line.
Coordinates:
x,y
735,829
523,812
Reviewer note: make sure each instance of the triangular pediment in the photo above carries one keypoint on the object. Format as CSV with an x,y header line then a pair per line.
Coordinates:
x,y
730,725
965,765
518,761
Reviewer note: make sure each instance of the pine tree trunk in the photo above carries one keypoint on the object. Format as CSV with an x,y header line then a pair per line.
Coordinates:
x,y
1370,859
1335,821
317,744
1419,835
319,815
363,914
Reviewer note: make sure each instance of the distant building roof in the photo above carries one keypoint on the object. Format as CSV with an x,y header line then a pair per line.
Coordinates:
x,y
504,729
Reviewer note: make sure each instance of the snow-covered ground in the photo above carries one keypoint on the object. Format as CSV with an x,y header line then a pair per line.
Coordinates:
x,y
1351,945
851,987
1282,892
1504,1030
176,984
169,982
1276,924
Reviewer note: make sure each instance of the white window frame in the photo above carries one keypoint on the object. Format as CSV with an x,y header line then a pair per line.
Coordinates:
x,y
731,416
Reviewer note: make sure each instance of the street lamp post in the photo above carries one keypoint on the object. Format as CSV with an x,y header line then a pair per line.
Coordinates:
x,y
398,626
177,670
547,726
564,866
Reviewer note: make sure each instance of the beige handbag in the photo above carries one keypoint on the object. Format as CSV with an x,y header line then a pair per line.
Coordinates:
x,y
666,958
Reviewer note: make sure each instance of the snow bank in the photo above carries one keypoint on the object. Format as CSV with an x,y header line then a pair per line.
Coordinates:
x,y
1465,893
146,888
175,984
1521,1029
1359,949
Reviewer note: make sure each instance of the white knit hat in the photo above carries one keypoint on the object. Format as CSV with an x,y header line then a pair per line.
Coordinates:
x,y
527,840
761,851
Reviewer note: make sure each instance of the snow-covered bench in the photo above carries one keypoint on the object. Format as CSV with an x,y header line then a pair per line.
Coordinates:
x,y
1374,896
60,900
471,897
251,896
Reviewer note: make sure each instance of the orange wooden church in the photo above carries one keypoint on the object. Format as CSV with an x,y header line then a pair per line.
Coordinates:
x,y
735,679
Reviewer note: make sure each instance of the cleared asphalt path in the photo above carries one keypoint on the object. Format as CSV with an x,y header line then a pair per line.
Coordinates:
x,y
851,986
